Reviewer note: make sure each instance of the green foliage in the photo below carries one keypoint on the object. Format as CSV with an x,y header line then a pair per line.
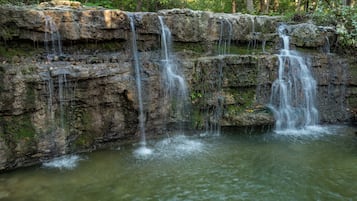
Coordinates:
x,y
103,3
244,99
286,7
195,96
345,19
211,5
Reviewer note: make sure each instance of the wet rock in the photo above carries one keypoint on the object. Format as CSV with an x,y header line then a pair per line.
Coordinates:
x,y
91,89
310,35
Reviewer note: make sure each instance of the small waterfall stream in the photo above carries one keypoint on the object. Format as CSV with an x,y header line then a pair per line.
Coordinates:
x,y
253,43
175,87
215,112
53,37
293,93
225,36
138,81
143,151
65,92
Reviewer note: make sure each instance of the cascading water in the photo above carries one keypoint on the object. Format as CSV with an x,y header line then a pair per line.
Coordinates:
x,y
63,98
327,47
214,114
175,87
293,93
143,150
253,40
53,37
53,46
49,87
57,133
225,37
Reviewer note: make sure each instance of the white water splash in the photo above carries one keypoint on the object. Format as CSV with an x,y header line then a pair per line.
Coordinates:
x,y
143,152
178,146
306,131
172,147
63,162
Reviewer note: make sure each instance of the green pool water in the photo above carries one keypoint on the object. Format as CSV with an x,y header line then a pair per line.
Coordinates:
x,y
237,165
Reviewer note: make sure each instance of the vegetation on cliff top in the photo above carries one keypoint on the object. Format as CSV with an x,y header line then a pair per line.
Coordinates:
x,y
342,14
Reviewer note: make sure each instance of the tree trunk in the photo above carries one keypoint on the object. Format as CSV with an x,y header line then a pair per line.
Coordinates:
x,y
139,4
307,6
234,6
276,5
266,6
250,6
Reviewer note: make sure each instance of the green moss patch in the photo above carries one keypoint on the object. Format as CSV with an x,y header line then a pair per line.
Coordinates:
x,y
18,127
244,100
20,49
87,137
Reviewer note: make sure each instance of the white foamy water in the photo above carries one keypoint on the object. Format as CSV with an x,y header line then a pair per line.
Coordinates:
x,y
143,152
314,130
63,162
293,93
172,147
179,144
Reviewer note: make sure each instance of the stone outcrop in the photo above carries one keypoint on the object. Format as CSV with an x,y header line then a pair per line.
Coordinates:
x,y
86,98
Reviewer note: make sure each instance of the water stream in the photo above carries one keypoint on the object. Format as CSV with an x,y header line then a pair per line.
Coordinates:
x,y
138,81
225,36
53,37
232,166
253,43
293,94
174,84
214,113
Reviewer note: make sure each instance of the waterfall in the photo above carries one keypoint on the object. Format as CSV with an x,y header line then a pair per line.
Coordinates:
x,y
52,35
293,93
175,87
138,81
327,47
225,37
57,123
62,87
253,40
215,112
49,86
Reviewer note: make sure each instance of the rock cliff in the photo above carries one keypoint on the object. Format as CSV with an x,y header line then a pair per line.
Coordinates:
x,y
85,98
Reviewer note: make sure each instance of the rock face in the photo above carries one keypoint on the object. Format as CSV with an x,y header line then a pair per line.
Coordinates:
x,y
85,98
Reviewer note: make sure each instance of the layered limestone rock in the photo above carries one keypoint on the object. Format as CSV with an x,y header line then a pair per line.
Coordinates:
x,y
86,98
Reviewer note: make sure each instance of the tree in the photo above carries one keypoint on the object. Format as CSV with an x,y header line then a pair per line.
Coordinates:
x,y
264,6
250,6
139,4
234,6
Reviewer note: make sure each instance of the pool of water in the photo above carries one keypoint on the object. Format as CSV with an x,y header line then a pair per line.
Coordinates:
x,y
321,165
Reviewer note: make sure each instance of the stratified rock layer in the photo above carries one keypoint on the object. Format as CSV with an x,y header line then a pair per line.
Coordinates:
x,y
86,98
